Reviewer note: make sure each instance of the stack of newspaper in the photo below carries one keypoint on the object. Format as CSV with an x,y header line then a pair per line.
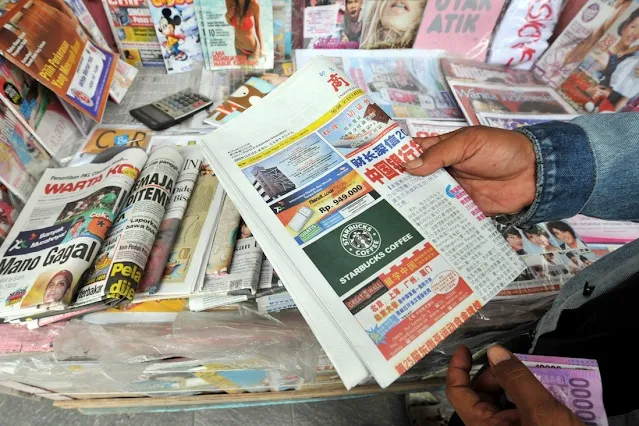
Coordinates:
x,y
382,265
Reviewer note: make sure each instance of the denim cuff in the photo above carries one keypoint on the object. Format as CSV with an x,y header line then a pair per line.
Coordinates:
x,y
565,173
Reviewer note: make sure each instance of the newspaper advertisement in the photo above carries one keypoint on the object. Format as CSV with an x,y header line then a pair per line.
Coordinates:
x,y
606,80
121,262
597,231
10,208
514,121
238,37
133,31
177,31
173,216
405,84
397,269
105,140
47,41
563,55
40,111
186,266
224,240
553,253
244,272
427,129
58,235
476,98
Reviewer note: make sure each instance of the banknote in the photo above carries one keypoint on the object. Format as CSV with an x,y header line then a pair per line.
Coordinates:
x,y
579,390
541,361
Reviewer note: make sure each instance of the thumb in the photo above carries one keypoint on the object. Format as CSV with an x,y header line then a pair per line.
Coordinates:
x,y
525,391
446,152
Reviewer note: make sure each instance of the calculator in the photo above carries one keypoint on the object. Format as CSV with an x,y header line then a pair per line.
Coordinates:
x,y
171,110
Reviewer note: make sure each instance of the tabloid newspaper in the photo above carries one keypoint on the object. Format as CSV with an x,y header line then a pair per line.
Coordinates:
x,y
383,265
58,235
46,40
236,37
404,83
133,31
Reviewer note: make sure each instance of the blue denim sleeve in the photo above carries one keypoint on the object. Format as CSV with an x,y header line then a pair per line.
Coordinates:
x,y
588,165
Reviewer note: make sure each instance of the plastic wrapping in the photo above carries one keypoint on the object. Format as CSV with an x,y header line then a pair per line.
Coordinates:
x,y
248,344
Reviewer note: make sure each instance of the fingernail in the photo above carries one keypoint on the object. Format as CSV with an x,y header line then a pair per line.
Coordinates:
x,y
497,354
413,164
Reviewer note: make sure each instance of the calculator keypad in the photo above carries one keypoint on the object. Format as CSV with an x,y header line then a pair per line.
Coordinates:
x,y
182,103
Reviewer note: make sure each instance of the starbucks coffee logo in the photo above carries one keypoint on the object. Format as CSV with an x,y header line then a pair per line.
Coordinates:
x,y
360,239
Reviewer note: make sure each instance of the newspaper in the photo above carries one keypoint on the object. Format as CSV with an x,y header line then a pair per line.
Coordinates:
x,y
597,231
553,253
133,31
224,240
275,303
177,31
606,80
510,121
47,41
238,38
202,303
399,262
562,58
404,83
478,98
186,266
243,275
103,138
58,235
173,216
122,259
426,129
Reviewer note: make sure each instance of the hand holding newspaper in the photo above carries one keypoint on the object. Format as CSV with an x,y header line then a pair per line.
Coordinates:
x,y
383,265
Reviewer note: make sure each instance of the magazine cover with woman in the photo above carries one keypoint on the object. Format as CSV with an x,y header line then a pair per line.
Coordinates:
x,y
607,80
238,33
391,24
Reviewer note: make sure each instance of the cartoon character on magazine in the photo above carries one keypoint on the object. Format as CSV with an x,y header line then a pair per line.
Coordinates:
x,y
167,26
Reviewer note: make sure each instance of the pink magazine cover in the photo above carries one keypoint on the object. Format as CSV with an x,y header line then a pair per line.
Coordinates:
x,y
460,27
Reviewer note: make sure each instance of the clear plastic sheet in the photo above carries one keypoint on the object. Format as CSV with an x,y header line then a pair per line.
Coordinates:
x,y
218,351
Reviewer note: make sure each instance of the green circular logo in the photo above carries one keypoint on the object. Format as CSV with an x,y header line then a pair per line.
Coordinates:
x,y
360,239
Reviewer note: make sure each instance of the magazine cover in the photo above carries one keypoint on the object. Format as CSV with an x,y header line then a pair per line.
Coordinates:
x,y
404,83
134,32
239,33
243,98
47,41
510,121
427,129
177,31
107,140
597,231
391,24
579,36
461,28
333,24
10,207
479,72
607,79
474,98
282,29
553,253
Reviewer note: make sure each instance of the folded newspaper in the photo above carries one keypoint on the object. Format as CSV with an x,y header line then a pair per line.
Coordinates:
x,y
63,254
383,265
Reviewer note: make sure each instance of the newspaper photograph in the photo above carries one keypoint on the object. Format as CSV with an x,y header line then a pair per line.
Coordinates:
x,y
475,98
405,84
426,128
392,274
553,253
606,80
105,139
47,42
134,32
567,51
238,37
60,231
510,121
121,262
170,225
177,31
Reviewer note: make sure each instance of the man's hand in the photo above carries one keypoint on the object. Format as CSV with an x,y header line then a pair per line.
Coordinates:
x,y
477,406
496,167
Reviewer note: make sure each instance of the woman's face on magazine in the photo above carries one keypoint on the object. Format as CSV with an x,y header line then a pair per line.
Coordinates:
x,y
56,289
402,15
630,33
